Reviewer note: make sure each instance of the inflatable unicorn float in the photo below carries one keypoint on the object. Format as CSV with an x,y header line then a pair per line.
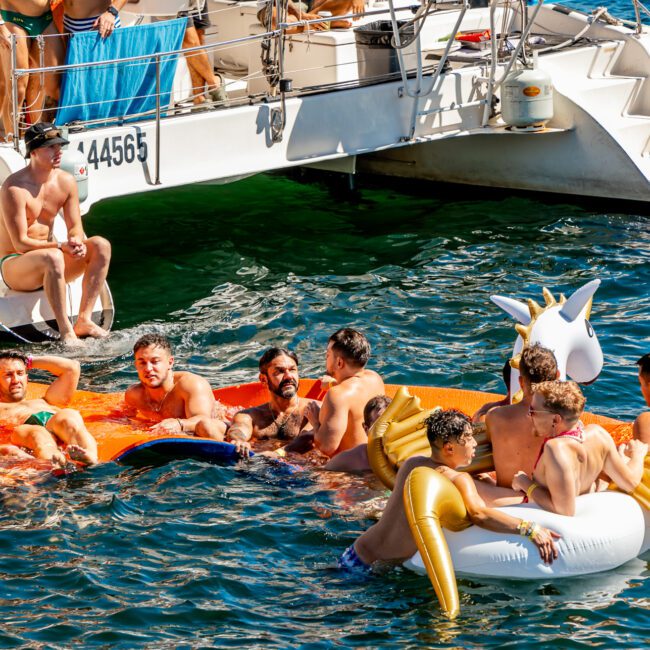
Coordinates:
x,y
609,528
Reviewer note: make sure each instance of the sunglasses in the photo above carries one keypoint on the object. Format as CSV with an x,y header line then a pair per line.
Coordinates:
x,y
533,412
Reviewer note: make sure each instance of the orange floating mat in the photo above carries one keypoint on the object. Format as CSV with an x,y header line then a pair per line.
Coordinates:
x,y
117,435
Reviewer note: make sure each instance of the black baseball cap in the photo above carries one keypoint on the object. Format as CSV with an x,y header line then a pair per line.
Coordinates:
x,y
42,134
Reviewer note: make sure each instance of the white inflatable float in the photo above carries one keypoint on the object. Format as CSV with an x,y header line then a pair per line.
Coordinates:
x,y
609,528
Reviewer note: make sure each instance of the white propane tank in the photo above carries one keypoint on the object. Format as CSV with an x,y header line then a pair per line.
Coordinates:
x,y
74,162
527,98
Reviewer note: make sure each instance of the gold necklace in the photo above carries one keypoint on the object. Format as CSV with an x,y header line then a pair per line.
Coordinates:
x,y
158,406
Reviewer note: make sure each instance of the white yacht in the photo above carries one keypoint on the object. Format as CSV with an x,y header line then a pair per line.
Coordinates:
x,y
430,109
484,92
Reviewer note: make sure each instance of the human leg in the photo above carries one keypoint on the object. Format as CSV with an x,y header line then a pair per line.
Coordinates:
x,y
12,452
200,68
210,428
55,49
42,268
22,61
68,426
94,266
40,441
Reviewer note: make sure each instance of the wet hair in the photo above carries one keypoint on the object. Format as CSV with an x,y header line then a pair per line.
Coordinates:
x,y
538,364
374,408
353,346
644,364
153,340
447,425
562,397
12,355
274,353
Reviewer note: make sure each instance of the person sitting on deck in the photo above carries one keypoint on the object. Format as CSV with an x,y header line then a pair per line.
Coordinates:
x,y
356,459
642,423
509,428
452,446
283,416
27,20
294,14
40,423
30,200
572,456
183,402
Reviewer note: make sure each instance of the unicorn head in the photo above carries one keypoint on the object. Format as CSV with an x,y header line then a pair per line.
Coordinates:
x,y
561,326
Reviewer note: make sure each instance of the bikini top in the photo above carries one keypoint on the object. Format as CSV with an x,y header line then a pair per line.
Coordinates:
x,y
577,433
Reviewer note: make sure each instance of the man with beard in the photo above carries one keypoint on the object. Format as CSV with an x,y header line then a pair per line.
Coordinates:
x,y
338,424
182,401
39,424
283,416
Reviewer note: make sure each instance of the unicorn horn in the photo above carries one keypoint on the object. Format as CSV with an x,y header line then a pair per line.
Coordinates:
x,y
518,310
578,300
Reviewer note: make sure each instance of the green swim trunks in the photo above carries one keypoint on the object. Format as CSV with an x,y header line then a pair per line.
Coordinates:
x,y
33,25
39,419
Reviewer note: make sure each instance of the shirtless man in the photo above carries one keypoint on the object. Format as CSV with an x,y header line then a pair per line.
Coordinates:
x,y
26,20
30,259
87,15
40,423
338,424
509,428
642,423
283,416
572,456
182,401
355,460
452,446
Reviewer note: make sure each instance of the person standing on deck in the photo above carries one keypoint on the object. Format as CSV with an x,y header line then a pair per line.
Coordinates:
x,y
26,20
88,15
30,258
642,423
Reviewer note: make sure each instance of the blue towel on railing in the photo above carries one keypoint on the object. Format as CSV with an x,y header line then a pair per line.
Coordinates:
x,y
122,89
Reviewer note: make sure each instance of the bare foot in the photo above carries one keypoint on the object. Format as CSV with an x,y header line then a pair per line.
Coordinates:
x,y
84,328
13,452
58,460
81,455
71,340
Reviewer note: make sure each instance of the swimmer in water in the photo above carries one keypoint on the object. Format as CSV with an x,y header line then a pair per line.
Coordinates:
x,y
282,417
41,423
183,402
452,446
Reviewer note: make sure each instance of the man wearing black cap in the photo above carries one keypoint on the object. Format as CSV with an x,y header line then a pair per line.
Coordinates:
x,y
29,256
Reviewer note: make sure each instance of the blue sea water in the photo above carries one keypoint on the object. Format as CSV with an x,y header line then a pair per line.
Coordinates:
x,y
191,555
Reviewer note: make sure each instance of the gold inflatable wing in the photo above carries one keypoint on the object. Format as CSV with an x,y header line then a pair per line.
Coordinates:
x,y
431,502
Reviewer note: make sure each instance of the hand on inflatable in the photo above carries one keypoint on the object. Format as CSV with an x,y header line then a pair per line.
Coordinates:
x,y
635,448
545,545
243,448
521,482
169,425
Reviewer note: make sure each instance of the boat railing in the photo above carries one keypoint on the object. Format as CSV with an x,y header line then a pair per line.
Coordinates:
x,y
416,84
